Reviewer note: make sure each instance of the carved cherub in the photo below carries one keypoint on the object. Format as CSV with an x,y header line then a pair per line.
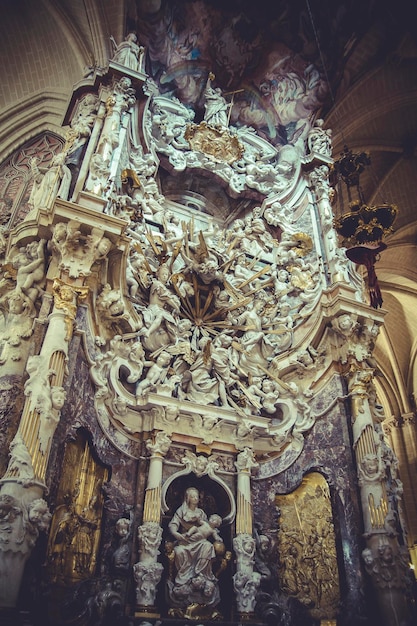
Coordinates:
x,y
30,266
19,325
156,373
137,272
110,303
346,324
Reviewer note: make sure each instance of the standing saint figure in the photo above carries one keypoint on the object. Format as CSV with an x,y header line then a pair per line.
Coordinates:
x,y
193,555
215,105
128,53
49,182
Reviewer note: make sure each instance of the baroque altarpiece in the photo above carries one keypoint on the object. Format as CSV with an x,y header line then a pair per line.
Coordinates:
x,y
190,425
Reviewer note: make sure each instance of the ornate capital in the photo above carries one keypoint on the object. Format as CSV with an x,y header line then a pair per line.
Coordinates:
x,y
66,299
77,250
391,423
159,445
360,380
245,461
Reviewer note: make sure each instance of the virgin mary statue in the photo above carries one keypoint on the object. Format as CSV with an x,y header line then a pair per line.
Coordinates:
x,y
193,555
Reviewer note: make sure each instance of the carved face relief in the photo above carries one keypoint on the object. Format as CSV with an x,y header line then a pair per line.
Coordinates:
x,y
116,308
122,527
16,304
58,395
192,497
370,465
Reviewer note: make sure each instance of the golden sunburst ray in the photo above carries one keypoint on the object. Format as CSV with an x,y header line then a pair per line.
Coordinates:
x,y
207,303
202,249
232,245
233,293
196,295
249,396
279,331
212,331
139,249
175,254
240,304
254,276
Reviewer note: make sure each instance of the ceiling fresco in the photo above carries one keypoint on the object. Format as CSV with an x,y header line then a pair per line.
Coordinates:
x,y
271,60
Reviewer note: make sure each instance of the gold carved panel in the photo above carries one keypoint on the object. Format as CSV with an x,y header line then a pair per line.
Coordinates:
x,y
218,144
307,549
75,529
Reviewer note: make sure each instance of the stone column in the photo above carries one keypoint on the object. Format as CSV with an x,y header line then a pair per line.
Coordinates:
x,y
410,498
402,436
92,143
118,102
148,571
385,560
410,440
333,255
24,481
245,581
23,511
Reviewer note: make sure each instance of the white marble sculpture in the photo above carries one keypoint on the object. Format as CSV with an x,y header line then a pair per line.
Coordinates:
x,y
216,107
49,182
129,53
245,581
194,579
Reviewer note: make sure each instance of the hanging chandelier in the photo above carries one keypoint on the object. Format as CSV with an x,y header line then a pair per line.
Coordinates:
x,y
364,226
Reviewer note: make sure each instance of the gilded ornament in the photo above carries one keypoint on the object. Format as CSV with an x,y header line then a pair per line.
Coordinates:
x,y
218,144
303,244
307,548
66,298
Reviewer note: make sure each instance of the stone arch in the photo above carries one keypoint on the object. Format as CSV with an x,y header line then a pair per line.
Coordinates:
x,y
16,178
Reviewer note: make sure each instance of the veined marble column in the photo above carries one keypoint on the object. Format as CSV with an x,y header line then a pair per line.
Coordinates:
x,y
385,560
23,511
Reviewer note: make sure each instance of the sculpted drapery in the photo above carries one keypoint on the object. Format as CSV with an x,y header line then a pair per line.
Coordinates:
x,y
194,579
